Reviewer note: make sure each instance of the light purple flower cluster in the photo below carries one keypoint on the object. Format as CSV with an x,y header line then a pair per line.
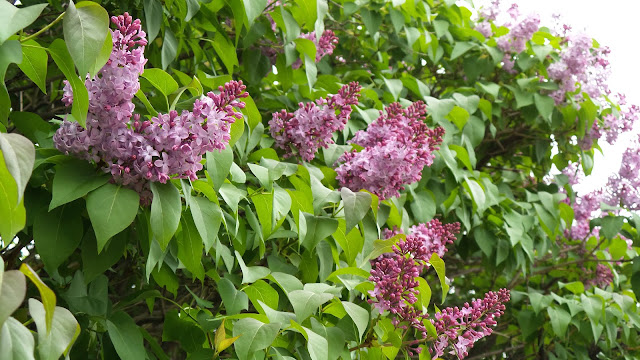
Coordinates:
x,y
395,274
324,46
623,188
461,328
615,125
521,30
396,147
580,66
136,151
583,208
602,276
310,127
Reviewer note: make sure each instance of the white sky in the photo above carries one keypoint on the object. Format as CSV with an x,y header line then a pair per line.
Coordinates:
x,y
613,23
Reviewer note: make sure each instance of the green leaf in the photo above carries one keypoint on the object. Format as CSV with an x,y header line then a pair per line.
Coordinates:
x,y
237,129
253,8
193,6
438,266
477,193
251,111
13,19
75,179
19,155
356,206
153,17
161,80
458,116
169,48
462,155
47,295
111,209
351,243
16,341
460,48
611,226
165,212
263,292
219,164
177,328
306,303
226,51
85,29
190,247
254,335
62,58
30,125
395,87
545,105
317,345
424,293
207,217
234,301
316,229
54,340
57,234
94,264
559,320
13,288
34,63
576,287
125,336
359,315
485,240
10,52
251,273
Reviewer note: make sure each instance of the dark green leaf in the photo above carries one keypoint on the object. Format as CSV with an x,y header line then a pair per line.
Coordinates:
x,y
13,19
85,29
111,209
165,212
57,234
34,63
73,180
125,336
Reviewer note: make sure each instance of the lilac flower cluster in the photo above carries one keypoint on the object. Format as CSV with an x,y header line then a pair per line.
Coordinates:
x,y
623,188
324,46
461,328
615,125
136,151
396,147
582,65
521,30
394,274
602,276
310,127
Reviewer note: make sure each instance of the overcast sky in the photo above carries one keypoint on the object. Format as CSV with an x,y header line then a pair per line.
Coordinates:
x,y
613,23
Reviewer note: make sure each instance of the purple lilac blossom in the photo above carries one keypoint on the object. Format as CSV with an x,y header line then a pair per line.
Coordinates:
x,y
602,276
396,147
461,328
623,188
310,127
324,46
137,151
580,66
395,274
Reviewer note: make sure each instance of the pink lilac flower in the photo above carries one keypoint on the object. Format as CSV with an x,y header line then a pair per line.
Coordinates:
x,y
593,134
461,328
324,46
519,33
310,127
395,274
137,151
615,125
396,147
580,65
484,28
602,276
623,188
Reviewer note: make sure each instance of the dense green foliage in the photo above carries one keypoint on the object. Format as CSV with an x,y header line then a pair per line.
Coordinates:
x,y
268,257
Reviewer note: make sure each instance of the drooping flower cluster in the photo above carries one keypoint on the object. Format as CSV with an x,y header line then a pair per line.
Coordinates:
x,y
521,30
580,66
395,274
324,46
461,328
137,151
615,125
310,127
397,146
623,188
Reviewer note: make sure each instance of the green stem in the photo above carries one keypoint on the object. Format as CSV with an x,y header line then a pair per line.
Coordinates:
x,y
57,20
